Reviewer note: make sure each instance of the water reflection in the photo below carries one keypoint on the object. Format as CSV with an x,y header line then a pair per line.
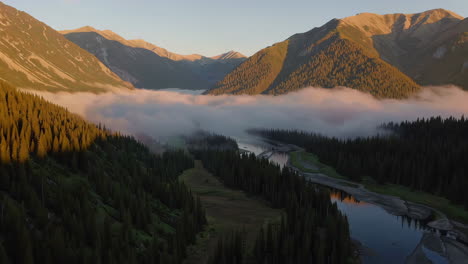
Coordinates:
x,y
345,198
182,91
386,238
266,150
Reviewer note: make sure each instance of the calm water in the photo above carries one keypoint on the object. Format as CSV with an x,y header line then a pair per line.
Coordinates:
x,y
182,91
389,239
261,147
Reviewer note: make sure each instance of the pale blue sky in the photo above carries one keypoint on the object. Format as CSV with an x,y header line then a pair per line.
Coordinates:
x,y
210,27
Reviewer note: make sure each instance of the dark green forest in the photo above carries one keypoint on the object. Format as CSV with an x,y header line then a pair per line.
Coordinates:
x,y
426,155
72,192
312,230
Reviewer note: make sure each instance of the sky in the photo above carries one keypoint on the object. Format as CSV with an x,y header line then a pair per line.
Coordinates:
x,y
212,27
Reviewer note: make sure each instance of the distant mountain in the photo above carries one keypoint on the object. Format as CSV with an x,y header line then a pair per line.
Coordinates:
x,y
34,56
384,55
146,65
229,55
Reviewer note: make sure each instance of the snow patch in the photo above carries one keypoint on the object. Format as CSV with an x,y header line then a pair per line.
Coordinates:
x,y
440,52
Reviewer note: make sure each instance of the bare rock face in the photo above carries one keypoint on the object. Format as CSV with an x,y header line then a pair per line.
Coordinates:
x,y
34,56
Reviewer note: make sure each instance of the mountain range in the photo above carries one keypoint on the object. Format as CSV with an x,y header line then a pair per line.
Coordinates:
x,y
389,56
34,55
146,65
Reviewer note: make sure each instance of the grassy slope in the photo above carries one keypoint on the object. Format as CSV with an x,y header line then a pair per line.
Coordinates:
x,y
226,210
35,56
325,57
302,159
453,211
341,62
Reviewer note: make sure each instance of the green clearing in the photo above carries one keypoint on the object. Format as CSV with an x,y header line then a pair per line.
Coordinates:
x,y
306,162
442,204
226,210
176,142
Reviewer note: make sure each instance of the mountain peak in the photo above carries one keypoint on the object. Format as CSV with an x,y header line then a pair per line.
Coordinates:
x,y
229,55
442,13
108,34
78,30
386,22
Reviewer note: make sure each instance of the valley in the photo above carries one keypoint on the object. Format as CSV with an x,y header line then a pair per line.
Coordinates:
x,y
388,229
345,143
226,210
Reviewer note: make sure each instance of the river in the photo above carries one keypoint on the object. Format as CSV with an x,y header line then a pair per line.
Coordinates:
x,y
384,237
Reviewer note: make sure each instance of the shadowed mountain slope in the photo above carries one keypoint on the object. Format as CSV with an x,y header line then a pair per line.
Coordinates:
x,y
146,65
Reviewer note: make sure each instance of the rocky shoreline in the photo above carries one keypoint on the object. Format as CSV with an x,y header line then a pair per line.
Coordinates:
x,y
453,245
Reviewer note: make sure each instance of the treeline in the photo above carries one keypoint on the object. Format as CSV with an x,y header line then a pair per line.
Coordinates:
x,y
426,155
29,125
205,140
312,229
71,192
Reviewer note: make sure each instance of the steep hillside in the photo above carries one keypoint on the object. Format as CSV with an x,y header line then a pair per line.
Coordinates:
x,y
341,62
425,46
255,75
386,55
71,192
447,63
33,55
321,57
141,67
148,66
136,43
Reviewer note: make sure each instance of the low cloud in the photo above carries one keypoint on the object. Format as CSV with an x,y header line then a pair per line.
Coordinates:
x,y
336,112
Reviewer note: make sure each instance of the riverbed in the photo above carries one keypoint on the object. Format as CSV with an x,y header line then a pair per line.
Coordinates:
x,y
384,229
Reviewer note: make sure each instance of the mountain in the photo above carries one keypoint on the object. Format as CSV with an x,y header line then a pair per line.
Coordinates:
x,y
229,55
33,55
136,43
388,56
447,62
146,65
429,47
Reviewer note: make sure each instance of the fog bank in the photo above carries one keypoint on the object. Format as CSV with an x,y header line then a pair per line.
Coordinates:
x,y
335,112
